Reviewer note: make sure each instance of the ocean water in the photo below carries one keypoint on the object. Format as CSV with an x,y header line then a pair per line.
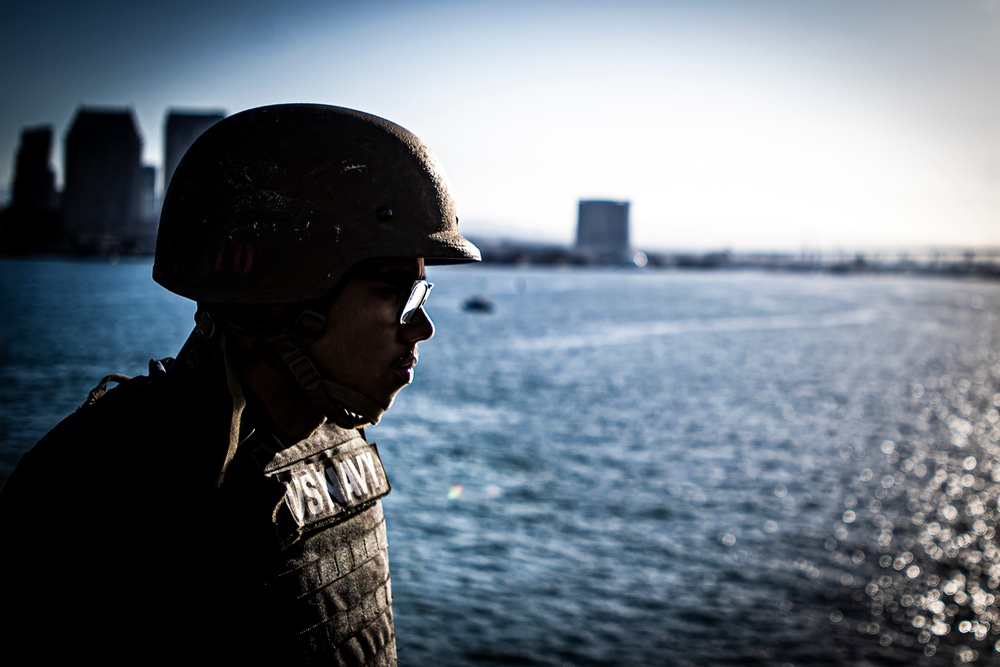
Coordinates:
x,y
639,467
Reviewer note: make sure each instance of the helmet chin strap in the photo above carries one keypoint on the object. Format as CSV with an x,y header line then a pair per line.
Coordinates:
x,y
338,398
342,405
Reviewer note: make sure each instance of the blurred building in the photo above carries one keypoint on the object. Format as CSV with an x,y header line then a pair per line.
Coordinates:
x,y
34,179
148,208
102,198
149,211
180,130
31,219
602,230
110,202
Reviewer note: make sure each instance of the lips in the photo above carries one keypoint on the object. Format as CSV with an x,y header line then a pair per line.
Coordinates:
x,y
405,369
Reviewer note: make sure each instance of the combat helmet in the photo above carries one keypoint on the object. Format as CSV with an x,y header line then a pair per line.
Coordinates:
x,y
274,205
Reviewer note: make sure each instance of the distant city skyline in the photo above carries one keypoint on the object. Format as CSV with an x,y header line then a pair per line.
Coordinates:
x,y
772,125
109,201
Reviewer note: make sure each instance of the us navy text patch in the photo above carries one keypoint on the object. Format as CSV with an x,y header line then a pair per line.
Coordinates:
x,y
330,484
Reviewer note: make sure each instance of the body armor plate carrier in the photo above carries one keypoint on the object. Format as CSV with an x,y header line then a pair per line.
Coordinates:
x,y
329,587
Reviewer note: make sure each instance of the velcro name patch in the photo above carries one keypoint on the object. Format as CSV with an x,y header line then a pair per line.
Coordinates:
x,y
329,486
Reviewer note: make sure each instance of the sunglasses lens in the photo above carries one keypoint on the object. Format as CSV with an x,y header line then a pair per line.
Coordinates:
x,y
418,297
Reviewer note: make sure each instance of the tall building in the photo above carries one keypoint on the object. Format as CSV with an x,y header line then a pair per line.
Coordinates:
x,y
34,180
148,209
101,203
30,222
149,212
602,229
180,130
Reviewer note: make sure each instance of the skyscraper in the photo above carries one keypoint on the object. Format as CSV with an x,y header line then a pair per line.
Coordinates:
x,y
30,223
34,180
102,196
180,130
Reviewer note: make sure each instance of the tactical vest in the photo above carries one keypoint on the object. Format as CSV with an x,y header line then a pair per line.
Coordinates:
x,y
326,591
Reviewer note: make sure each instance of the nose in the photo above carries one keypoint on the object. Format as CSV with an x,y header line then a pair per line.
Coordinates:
x,y
420,327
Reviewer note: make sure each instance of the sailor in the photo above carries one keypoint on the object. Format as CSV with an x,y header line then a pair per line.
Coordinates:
x,y
228,504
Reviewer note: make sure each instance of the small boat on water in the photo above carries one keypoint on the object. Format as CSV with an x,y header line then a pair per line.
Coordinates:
x,y
478,304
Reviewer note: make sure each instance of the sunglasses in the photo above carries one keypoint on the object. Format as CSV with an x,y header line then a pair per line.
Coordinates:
x,y
418,297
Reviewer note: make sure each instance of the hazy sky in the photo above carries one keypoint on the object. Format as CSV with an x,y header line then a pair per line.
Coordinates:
x,y
768,125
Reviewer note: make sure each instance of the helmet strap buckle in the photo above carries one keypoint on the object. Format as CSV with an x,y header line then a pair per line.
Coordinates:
x,y
309,324
205,325
331,398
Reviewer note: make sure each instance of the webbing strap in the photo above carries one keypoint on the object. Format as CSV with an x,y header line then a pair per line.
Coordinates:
x,y
344,406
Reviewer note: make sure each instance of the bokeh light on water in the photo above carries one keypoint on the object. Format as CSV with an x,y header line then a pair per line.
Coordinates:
x,y
923,518
715,469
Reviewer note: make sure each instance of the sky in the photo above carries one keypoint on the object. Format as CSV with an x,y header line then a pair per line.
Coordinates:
x,y
768,125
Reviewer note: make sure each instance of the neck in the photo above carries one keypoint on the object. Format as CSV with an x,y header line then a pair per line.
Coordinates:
x,y
293,416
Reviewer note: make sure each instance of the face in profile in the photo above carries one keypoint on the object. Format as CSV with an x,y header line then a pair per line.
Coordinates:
x,y
365,346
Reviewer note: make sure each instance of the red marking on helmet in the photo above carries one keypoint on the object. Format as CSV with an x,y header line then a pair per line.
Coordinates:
x,y
244,256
